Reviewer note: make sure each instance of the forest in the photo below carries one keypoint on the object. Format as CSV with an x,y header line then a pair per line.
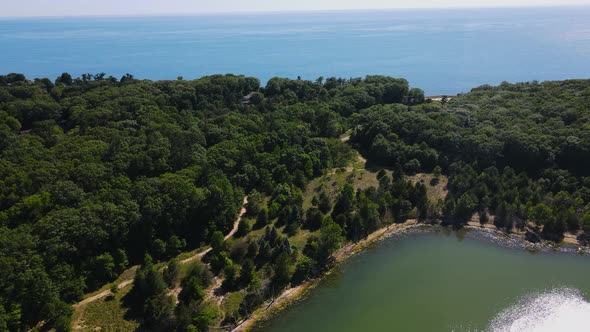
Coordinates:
x,y
519,152
98,174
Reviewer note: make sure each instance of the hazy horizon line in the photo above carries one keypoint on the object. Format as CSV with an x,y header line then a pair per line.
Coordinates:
x,y
278,12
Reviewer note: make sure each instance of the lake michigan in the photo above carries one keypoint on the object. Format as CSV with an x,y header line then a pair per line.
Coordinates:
x,y
440,51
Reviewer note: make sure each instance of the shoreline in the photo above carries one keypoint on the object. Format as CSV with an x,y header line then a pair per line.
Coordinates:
x,y
517,240
291,295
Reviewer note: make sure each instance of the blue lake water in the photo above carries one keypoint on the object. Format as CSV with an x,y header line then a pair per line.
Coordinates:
x,y
441,51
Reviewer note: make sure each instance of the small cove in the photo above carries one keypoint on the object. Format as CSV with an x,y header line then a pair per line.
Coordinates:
x,y
444,281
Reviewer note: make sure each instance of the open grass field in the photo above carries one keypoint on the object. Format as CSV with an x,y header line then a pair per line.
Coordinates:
x,y
106,314
434,192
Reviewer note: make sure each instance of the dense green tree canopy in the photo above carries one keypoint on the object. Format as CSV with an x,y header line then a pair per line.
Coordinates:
x,y
97,171
520,151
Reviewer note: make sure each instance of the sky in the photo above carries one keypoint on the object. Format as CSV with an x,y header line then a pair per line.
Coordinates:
x,y
28,8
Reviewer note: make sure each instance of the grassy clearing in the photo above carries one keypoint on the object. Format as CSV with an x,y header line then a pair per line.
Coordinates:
x,y
185,269
231,305
253,235
355,174
434,192
191,253
300,239
332,183
106,314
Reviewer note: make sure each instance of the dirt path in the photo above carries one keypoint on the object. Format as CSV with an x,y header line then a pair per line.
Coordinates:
x,y
345,139
229,235
102,294
211,290
361,159
184,261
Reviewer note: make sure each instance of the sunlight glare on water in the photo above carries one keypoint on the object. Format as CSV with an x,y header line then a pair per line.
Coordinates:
x,y
561,309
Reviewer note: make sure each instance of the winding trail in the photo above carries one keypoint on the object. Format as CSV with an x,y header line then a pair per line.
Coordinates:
x,y
102,294
197,256
360,158
228,236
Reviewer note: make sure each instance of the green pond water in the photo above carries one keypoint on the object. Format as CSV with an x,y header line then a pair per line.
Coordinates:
x,y
445,281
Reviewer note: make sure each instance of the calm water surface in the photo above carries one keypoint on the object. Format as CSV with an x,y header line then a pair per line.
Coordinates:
x,y
439,282
441,51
